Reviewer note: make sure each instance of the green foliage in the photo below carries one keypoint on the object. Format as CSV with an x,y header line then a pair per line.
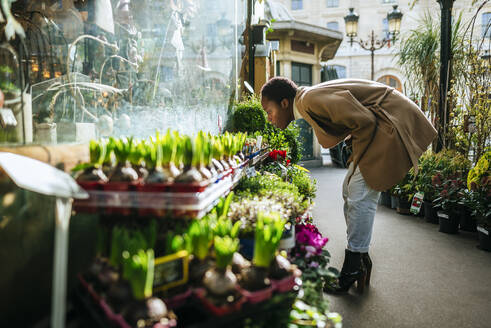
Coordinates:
x,y
269,229
225,247
200,236
138,269
479,190
249,116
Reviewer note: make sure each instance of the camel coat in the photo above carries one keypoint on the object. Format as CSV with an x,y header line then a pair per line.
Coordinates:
x,y
389,132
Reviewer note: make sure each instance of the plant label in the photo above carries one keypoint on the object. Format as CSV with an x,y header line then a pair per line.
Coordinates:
x,y
284,171
251,172
170,271
443,215
417,202
259,142
484,231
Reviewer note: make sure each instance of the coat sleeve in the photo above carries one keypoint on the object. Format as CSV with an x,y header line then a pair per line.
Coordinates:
x,y
339,113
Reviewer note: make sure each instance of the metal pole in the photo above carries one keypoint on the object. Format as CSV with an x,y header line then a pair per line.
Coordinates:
x,y
60,261
372,50
445,65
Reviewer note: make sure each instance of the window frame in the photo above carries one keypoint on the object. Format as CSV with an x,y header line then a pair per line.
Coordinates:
x,y
332,3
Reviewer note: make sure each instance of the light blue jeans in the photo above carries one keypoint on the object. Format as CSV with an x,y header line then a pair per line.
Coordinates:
x,y
360,205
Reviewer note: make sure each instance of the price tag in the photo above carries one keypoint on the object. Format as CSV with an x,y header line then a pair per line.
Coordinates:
x,y
251,172
417,202
284,171
171,271
443,215
484,231
259,142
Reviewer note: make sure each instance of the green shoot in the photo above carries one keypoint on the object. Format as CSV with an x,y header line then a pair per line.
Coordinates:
x,y
224,250
269,229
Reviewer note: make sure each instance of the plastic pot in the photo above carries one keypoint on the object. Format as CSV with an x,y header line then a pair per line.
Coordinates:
x,y
484,236
257,296
393,202
467,221
403,206
385,199
430,212
449,222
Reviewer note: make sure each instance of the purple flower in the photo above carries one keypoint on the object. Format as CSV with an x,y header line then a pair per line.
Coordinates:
x,y
308,234
314,264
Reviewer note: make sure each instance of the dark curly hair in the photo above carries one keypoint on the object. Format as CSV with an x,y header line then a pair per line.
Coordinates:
x,y
279,88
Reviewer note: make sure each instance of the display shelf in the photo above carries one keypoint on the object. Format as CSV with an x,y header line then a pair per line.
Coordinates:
x,y
160,200
193,314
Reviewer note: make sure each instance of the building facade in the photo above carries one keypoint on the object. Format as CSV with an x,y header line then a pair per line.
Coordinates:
x,y
354,62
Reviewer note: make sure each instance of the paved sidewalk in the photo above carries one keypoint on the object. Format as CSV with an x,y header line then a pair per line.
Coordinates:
x,y
420,277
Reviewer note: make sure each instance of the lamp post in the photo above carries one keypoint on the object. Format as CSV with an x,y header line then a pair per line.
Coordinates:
x,y
445,69
394,18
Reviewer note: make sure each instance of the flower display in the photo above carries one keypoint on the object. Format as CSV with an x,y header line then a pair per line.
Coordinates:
x,y
309,236
278,153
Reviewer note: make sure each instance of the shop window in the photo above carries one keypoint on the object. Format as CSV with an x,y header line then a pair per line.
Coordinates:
x,y
486,25
333,26
302,74
297,4
392,81
332,3
155,65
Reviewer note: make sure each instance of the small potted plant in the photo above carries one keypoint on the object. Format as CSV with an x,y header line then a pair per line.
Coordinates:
x,y
200,237
404,193
145,310
479,198
255,284
450,202
221,296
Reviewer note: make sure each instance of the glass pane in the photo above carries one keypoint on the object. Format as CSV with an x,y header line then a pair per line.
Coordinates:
x,y
295,72
486,25
333,26
102,68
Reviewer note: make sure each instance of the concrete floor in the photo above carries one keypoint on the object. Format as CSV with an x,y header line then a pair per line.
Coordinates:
x,y
420,277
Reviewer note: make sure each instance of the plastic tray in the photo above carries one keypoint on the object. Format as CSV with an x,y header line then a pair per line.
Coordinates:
x,y
188,204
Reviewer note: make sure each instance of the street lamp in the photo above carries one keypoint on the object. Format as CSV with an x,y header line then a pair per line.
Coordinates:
x,y
394,18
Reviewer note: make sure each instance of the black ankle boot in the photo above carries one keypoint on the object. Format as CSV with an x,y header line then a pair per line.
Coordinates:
x,y
353,271
367,262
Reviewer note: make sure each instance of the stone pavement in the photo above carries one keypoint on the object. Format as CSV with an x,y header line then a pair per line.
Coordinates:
x,y
420,277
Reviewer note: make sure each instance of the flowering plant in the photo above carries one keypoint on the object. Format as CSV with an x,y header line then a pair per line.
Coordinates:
x,y
309,236
311,257
451,193
279,155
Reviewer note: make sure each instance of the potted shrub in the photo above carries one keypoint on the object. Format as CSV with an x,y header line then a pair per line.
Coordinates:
x,y
255,284
479,198
450,202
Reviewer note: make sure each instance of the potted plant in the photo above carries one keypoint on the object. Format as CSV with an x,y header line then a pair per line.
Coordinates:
x,y
122,178
255,284
138,269
221,296
450,202
89,174
479,198
199,236
404,193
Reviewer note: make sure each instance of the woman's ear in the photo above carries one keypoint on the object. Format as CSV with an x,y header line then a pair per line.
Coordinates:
x,y
284,103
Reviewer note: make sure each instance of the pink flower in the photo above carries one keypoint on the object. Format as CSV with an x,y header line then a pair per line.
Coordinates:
x,y
308,234
314,264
